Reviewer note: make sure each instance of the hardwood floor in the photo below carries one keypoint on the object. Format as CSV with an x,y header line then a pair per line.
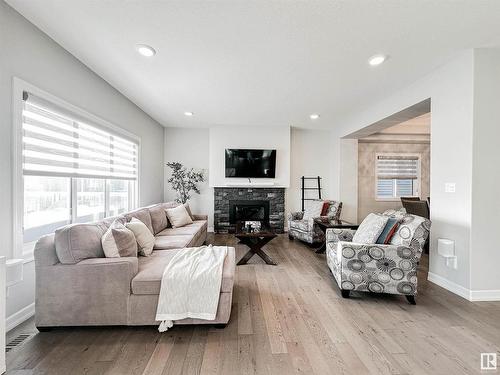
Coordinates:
x,y
286,319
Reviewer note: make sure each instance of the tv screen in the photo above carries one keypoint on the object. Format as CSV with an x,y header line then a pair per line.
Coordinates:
x,y
250,163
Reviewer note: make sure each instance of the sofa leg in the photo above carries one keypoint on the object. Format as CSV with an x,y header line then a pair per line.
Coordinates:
x,y
220,326
411,300
290,237
345,293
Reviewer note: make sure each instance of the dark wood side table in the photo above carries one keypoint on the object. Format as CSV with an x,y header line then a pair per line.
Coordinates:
x,y
255,240
325,224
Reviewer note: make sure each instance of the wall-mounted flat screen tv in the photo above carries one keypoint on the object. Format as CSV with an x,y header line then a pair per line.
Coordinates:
x,y
250,163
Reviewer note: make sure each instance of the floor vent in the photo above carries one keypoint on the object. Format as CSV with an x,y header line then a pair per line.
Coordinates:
x,y
16,342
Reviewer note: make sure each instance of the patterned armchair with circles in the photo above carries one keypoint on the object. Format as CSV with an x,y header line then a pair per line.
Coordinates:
x,y
301,225
381,256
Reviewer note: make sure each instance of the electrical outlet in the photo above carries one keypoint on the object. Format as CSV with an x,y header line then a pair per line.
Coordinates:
x,y
449,187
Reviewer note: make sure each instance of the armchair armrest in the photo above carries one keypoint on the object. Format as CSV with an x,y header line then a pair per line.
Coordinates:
x,y
295,215
334,235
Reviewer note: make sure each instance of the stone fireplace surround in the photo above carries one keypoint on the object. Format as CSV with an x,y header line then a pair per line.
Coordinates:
x,y
225,196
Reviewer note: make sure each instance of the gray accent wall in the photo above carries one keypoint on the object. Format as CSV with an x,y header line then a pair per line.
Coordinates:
x,y
29,54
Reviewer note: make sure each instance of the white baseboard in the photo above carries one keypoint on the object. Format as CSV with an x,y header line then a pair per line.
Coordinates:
x,y
449,285
19,317
485,295
470,295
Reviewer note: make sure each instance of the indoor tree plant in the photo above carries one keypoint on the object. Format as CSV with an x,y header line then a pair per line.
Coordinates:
x,y
184,180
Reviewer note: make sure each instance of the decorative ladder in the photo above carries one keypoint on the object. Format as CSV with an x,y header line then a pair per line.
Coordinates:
x,y
304,188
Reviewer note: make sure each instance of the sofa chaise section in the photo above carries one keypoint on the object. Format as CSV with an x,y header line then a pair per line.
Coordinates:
x,y
83,288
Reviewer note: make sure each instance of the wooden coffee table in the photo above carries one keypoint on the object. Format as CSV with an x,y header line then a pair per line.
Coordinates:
x,y
325,224
255,241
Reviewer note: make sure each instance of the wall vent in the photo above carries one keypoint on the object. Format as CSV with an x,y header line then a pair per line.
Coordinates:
x,y
16,341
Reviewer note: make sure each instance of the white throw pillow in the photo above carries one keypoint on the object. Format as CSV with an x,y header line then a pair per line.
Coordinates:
x,y
370,229
313,209
178,216
119,241
143,236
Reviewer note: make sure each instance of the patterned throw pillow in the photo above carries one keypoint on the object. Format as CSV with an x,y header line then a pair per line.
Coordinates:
x,y
313,209
334,209
410,226
389,231
370,229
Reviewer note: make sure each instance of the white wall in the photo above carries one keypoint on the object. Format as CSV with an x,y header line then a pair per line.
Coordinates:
x,y
29,54
311,154
485,247
348,178
222,137
190,147
450,88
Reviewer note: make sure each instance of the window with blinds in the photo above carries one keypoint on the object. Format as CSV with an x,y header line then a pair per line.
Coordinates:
x,y
58,144
73,170
397,176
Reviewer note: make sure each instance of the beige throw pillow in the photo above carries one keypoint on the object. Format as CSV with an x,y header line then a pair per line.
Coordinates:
x,y
178,216
119,241
143,236
188,209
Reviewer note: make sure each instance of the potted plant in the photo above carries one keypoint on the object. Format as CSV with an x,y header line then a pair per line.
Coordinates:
x,y
184,181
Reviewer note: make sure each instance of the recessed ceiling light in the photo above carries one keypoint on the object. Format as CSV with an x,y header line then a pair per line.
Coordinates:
x,y
189,114
145,50
314,116
377,60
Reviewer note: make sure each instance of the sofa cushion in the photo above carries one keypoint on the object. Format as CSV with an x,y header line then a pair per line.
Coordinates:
x,y
148,279
196,226
76,242
172,242
158,218
143,215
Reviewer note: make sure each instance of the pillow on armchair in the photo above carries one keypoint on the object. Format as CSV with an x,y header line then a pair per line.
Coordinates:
x,y
370,229
313,209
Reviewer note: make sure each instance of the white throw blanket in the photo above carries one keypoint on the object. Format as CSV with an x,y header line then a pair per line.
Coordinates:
x,y
190,285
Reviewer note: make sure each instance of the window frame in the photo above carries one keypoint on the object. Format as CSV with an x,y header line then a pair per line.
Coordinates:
x,y
18,87
396,154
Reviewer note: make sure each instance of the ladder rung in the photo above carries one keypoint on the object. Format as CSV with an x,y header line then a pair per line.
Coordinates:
x,y
313,188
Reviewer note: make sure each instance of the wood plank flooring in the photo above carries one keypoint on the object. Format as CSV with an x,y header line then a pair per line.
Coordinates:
x,y
285,319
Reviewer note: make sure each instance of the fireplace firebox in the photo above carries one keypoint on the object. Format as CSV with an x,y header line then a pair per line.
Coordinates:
x,y
253,210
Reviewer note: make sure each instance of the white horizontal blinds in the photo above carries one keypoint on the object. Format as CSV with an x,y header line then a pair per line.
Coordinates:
x,y
57,143
397,167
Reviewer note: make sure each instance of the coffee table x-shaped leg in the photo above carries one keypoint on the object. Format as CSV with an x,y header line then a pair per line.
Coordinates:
x,y
256,244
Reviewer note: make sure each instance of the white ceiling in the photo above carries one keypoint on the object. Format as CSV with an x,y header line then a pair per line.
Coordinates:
x,y
262,62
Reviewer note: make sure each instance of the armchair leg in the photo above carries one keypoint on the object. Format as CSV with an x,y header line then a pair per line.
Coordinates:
x,y
345,293
290,237
411,300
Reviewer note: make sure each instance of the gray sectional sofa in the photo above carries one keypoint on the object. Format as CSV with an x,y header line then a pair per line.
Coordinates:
x,y
77,286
